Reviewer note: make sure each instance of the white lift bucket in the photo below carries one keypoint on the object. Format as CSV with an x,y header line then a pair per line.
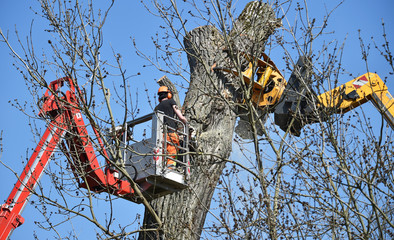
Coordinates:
x,y
145,157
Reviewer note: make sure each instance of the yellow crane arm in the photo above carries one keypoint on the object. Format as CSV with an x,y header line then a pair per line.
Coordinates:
x,y
367,87
289,99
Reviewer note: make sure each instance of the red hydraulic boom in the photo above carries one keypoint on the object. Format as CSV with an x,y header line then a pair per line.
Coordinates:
x,y
66,124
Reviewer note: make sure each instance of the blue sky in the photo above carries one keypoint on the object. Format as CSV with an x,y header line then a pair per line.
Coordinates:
x,y
131,20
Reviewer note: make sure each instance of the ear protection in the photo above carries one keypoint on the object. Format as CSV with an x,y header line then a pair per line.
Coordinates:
x,y
164,89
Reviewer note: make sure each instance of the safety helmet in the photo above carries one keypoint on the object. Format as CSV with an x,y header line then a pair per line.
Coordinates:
x,y
164,89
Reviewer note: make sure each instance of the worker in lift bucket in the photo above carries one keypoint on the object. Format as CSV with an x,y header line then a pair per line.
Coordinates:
x,y
168,106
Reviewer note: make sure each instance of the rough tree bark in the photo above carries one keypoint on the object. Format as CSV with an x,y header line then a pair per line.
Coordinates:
x,y
211,110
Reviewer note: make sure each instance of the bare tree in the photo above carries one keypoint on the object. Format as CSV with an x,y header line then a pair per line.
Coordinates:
x,y
75,52
333,180
312,186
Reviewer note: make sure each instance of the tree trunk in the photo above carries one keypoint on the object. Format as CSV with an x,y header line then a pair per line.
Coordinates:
x,y
210,110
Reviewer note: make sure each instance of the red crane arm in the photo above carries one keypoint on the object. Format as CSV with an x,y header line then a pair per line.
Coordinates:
x,y
66,123
10,217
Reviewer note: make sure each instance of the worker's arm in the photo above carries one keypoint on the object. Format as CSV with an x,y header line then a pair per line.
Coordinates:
x,y
179,114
